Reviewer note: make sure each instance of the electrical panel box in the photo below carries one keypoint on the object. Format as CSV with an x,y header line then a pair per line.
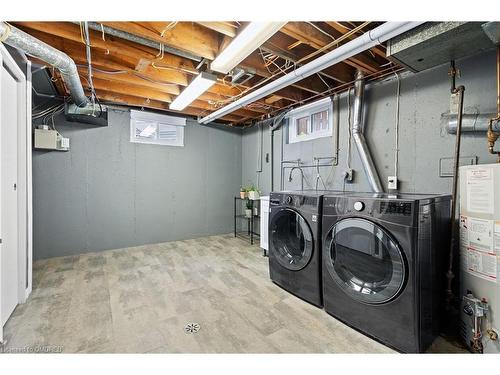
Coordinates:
x,y
49,139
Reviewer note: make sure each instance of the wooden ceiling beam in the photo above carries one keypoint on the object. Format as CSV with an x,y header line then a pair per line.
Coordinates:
x,y
111,62
258,107
378,50
255,62
130,79
130,100
186,36
111,44
134,90
226,28
280,42
201,104
308,34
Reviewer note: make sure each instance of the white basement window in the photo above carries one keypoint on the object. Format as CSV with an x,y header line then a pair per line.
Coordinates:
x,y
153,128
311,121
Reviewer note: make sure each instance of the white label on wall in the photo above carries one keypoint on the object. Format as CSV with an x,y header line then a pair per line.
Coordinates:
x,y
479,247
480,190
480,234
483,265
496,237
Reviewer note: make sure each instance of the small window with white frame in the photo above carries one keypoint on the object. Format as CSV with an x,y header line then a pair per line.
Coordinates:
x,y
311,121
154,128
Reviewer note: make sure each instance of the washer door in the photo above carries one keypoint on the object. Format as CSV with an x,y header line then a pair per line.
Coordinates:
x,y
364,261
290,239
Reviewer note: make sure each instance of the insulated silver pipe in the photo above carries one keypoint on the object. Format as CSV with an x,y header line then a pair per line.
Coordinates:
x,y
477,122
19,39
359,138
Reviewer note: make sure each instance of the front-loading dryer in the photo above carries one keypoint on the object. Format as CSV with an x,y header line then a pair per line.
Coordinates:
x,y
295,243
383,264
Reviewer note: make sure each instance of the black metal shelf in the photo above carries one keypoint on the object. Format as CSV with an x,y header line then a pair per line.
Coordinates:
x,y
250,233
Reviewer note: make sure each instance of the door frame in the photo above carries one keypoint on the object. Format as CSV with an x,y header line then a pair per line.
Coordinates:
x,y
24,176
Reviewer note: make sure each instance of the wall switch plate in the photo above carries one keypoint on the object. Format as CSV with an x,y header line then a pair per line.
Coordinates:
x,y
349,175
392,182
454,102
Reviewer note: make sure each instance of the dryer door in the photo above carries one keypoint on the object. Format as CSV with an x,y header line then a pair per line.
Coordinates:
x,y
290,239
364,261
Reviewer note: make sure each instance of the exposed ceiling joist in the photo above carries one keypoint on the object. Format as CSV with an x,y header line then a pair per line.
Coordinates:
x,y
187,36
125,68
226,28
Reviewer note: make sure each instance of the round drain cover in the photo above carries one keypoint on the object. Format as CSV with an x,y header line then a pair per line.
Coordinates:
x,y
192,328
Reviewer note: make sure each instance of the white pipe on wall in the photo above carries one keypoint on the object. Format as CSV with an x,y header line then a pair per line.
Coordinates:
x,y
366,41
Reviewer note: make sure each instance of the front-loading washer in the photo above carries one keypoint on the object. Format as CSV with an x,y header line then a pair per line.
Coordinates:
x,y
295,243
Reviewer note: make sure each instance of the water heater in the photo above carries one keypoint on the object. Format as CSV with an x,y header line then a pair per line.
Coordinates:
x,y
480,255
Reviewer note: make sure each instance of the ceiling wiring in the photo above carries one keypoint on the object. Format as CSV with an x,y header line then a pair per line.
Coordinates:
x,y
169,27
321,30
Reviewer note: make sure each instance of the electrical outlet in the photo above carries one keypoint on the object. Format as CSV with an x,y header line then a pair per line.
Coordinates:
x,y
349,175
392,182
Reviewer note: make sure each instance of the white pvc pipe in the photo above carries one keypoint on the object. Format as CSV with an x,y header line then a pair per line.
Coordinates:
x,y
366,41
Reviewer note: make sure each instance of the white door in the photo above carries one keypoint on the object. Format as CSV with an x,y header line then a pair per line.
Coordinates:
x,y
9,201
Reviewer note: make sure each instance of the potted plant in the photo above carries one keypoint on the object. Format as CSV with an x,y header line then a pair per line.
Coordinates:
x,y
243,192
253,193
248,210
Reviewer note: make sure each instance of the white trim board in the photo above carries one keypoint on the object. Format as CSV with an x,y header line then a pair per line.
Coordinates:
x,y
24,177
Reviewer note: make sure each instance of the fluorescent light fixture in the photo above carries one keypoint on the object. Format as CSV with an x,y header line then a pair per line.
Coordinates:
x,y
247,41
198,86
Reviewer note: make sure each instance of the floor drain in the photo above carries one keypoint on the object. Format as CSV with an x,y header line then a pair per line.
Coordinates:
x,y
192,328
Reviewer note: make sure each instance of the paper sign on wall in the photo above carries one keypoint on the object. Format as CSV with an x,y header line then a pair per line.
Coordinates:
x,y
480,190
480,245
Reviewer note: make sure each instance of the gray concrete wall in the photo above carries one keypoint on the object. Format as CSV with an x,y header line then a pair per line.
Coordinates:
x,y
423,140
107,192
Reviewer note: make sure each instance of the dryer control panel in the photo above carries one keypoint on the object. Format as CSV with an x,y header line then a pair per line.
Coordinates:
x,y
294,200
397,211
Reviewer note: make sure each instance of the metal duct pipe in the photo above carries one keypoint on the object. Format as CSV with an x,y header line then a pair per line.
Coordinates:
x,y
366,41
36,48
359,138
477,122
140,40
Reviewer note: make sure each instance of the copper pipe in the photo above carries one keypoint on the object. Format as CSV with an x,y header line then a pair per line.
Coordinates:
x,y
498,82
450,275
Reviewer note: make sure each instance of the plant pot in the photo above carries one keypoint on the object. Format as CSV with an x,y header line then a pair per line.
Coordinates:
x,y
248,213
243,194
253,195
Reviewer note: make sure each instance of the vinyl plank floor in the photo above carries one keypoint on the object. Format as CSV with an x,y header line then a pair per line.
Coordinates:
x,y
139,300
